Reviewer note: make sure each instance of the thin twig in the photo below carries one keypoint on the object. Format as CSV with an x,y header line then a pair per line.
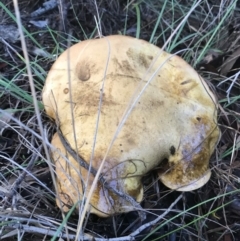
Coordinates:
x,y
33,91
63,6
37,230
51,232
47,6
21,177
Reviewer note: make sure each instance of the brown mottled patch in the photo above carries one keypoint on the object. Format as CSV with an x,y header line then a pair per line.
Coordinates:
x,y
184,89
116,63
124,66
157,103
139,58
188,88
131,141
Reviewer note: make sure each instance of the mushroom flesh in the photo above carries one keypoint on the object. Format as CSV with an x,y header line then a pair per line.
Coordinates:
x,y
88,90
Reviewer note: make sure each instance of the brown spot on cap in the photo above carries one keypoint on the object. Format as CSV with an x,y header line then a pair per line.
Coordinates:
x,y
83,71
199,119
66,90
139,57
172,150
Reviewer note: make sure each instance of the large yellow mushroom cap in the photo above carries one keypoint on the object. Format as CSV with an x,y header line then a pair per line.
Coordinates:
x,y
175,118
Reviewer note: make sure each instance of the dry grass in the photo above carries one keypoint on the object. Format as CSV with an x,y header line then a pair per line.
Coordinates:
x,y
208,40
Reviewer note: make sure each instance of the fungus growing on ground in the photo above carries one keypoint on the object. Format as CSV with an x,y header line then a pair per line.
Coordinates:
x,y
175,118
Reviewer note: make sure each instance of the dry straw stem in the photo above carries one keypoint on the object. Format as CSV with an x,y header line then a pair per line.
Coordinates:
x,y
35,102
24,127
31,82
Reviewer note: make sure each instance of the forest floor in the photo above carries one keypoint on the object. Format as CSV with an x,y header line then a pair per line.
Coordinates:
x,y
208,39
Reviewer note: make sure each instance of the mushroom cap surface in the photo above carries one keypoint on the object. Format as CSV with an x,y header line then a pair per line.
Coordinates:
x,y
175,118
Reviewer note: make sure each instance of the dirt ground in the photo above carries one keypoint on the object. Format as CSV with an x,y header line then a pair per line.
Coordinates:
x,y
27,208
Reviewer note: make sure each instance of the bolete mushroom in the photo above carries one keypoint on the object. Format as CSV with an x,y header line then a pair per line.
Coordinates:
x,y
174,119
